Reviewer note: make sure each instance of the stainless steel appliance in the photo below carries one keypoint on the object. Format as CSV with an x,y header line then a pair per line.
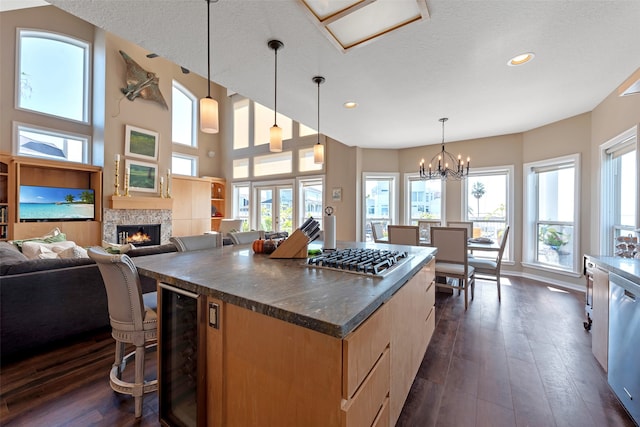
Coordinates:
x,y
624,342
374,262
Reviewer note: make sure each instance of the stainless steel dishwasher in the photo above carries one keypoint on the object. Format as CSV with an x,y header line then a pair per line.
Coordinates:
x,y
624,342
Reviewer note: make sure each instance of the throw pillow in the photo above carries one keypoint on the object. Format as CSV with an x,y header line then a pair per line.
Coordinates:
x,y
33,250
74,252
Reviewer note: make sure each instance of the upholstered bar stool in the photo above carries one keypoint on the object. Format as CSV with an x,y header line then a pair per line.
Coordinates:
x,y
133,321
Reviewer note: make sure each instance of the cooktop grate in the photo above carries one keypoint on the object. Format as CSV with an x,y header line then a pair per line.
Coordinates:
x,y
374,262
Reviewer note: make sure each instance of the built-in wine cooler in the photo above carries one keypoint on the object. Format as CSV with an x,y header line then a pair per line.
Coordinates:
x,y
181,378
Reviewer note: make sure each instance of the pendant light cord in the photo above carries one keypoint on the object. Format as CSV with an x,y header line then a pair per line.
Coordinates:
x,y
208,48
275,91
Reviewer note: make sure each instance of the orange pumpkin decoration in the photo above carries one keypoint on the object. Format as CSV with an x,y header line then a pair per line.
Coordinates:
x,y
258,246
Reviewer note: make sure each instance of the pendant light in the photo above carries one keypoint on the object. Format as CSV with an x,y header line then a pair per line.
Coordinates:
x,y
208,105
318,149
275,133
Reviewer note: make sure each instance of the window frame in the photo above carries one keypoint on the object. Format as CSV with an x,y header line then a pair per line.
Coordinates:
x,y
194,113
183,156
394,177
609,191
507,170
531,220
87,70
85,140
408,178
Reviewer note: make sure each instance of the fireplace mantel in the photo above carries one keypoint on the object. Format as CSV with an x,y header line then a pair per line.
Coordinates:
x,y
122,202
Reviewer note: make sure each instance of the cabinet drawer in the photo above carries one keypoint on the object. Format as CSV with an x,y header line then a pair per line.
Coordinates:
x,y
431,296
382,419
362,348
430,326
368,402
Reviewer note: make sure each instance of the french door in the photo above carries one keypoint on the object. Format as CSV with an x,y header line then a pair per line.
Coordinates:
x,y
275,207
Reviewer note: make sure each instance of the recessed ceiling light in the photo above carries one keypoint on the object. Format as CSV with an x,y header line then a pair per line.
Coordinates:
x,y
350,104
521,59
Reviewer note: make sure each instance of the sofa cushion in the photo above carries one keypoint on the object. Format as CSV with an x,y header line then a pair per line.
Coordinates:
x,y
37,265
35,250
9,255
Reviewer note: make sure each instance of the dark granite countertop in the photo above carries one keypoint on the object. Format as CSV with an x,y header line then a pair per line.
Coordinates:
x,y
629,268
327,301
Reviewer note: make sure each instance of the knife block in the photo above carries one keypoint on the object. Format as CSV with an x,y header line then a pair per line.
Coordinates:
x,y
295,246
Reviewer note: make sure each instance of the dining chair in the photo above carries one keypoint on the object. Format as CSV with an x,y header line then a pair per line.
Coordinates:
x,y
465,224
490,268
452,260
197,242
403,234
133,320
425,229
377,229
244,237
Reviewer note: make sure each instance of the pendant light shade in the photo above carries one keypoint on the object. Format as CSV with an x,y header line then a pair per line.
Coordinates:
x,y
209,115
318,149
275,133
208,105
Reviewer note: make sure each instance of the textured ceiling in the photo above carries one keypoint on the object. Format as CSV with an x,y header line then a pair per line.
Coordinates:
x,y
452,64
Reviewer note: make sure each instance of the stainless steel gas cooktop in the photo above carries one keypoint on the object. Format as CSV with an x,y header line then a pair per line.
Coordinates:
x,y
372,262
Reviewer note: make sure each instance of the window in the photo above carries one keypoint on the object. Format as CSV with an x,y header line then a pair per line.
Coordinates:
x,y
241,203
379,195
36,141
53,74
183,164
241,124
619,190
488,203
272,164
551,234
305,160
424,199
263,121
241,168
311,199
183,116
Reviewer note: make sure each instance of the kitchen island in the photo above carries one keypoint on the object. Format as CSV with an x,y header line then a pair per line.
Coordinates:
x,y
288,344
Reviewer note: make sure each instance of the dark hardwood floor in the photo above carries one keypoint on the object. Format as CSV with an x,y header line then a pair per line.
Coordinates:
x,y
524,362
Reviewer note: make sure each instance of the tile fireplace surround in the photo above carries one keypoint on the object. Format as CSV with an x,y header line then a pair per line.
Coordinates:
x,y
113,217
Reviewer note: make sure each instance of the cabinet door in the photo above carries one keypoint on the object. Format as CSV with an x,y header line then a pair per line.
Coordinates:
x,y
600,326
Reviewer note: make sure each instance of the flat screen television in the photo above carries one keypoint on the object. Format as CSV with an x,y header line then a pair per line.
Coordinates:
x,y
56,204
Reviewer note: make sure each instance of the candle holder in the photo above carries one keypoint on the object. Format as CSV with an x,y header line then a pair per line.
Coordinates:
x,y
117,185
162,189
126,183
168,185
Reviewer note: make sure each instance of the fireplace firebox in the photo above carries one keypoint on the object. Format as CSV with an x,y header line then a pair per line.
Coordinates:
x,y
139,235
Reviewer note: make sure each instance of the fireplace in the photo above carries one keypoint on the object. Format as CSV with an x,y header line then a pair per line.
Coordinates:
x,y
139,235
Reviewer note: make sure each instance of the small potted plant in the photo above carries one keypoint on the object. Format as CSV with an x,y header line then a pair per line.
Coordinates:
x,y
553,238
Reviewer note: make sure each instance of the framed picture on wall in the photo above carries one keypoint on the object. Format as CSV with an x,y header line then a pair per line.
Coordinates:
x,y
143,176
336,194
140,143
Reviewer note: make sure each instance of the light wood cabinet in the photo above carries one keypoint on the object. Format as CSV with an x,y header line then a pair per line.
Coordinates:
x,y
47,173
4,197
218,205
265,371
191,209
412,324
600,315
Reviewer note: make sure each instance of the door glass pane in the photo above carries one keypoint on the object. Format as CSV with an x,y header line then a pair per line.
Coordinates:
x,y
312,201
628,189
265,214
285,210
241,205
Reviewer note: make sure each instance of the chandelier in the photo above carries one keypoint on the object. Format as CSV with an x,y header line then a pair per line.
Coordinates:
x,y
447,167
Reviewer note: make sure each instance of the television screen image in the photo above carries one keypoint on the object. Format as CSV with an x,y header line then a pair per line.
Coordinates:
x,y
56,204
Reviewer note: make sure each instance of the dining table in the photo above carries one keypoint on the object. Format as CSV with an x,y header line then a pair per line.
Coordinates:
x,y
472,245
